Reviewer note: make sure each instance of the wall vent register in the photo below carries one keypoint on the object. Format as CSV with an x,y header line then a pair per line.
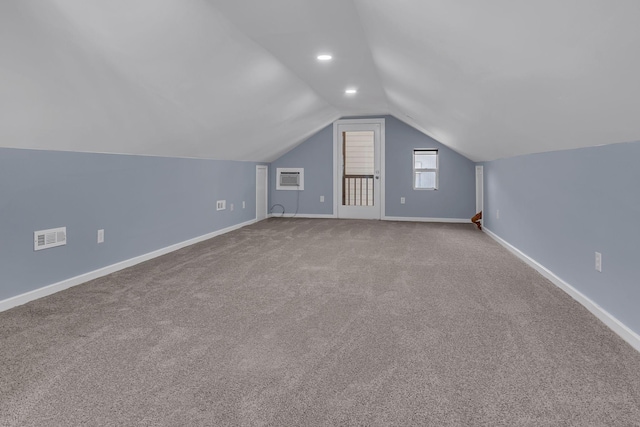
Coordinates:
x,y
45,239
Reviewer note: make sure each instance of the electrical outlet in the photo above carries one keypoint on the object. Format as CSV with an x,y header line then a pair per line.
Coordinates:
x,y
221,205
402,200
101,236
599,262
498,214
231,207
321,199
243,205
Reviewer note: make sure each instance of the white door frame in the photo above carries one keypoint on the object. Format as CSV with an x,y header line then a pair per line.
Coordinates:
x,y
336,155
480,190
266,192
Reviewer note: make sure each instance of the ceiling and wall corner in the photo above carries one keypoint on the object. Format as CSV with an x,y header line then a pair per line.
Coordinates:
x,y
497,79
236,80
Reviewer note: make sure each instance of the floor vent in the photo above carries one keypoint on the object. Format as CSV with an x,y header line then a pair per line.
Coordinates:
x,y
45,239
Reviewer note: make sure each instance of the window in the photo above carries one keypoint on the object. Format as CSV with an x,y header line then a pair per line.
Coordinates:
x,y
425,169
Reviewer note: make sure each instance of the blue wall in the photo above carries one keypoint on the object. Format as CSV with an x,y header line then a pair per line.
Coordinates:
x,y
142,203
561,207
315,155
455,197
456,193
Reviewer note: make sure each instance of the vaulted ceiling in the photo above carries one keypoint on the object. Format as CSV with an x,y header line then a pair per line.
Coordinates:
x,y
239,79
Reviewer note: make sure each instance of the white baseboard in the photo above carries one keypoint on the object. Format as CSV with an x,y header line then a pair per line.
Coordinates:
x,y
422,219
384,218
289,215
614,324
77,280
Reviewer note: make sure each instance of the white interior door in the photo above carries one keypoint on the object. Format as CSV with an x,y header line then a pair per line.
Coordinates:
x,y
261,192
358,179
479,189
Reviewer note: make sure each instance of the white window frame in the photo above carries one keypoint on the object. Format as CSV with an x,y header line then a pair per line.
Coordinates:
x,y
413,167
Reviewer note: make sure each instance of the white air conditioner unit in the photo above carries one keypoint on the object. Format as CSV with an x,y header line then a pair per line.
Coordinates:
x,y
290,179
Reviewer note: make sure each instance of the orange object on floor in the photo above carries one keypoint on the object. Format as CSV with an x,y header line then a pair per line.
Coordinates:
x,y
476,220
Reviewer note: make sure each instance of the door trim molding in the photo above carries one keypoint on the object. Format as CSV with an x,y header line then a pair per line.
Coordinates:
x,y
336,139
266,191
481,169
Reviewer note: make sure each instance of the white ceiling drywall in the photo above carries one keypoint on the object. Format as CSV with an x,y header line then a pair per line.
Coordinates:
x,y
155,77
296,32
500,78
231,79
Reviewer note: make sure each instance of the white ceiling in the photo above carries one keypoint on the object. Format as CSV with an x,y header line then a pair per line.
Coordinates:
x,y
230,79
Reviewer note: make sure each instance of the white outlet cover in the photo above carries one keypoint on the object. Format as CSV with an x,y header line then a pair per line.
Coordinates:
x,y
599,262
402,200
322,199
243,205
101,236
221,205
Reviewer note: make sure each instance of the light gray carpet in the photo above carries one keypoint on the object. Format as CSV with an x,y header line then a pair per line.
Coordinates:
x,y
318,322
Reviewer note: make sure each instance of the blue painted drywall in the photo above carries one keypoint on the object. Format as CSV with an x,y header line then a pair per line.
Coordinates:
x,y
456,193
455,197
142,203
561,207
315,155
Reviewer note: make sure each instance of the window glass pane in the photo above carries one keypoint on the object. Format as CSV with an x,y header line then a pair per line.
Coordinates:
x,y
424,160
425,180
358,153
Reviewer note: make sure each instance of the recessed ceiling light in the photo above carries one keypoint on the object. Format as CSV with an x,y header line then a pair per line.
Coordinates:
x,y
351,91
324,57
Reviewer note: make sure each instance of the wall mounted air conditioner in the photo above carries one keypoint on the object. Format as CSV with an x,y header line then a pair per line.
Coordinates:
x,y
290,179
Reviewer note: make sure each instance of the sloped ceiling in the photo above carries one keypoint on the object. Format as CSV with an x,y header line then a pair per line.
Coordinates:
x,y
231,79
